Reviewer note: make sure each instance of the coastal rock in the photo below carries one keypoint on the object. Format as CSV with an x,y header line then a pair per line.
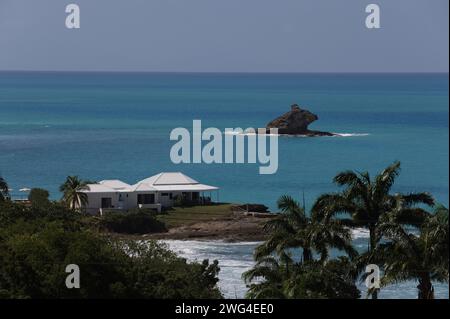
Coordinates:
x,y
296,122
257,208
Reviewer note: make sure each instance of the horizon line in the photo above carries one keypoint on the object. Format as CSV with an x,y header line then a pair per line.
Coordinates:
x,y
223,72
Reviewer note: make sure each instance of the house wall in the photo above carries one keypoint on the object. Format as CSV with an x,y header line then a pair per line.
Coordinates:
x,y
95,201
129,200
132,201
169,201
166,201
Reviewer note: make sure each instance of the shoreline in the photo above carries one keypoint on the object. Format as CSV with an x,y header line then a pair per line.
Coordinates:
x,y
227,222
236,227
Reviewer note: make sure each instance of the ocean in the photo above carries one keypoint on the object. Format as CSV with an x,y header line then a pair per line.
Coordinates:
x,y
117,125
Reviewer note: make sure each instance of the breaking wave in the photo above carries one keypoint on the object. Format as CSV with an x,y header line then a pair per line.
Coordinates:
x,y
360,233
285,135
351,134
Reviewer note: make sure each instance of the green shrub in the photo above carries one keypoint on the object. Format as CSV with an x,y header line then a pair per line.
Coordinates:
x,y
140,222
11,213
37,245
39,197
148,211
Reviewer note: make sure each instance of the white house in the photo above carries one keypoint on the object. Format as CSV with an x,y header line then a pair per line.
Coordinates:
x,y
155,192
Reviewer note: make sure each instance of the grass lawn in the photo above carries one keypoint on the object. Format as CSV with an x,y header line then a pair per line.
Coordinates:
x,y
180,216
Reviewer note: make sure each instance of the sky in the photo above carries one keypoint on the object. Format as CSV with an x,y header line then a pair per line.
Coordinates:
x,y
225,36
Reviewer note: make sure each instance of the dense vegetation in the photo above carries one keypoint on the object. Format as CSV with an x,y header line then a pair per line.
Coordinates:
x,y
132,222
37,243
406,241
3,190
39,197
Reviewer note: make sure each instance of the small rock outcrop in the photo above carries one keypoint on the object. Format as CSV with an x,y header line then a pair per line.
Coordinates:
x,y
258,208
296,122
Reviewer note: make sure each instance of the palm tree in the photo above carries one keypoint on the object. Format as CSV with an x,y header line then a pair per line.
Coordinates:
x,y
407,256
366,201
334,279
73,194
274,275
293,230
313,279
4,190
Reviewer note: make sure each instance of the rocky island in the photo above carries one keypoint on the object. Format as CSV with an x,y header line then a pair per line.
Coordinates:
x,y
296,122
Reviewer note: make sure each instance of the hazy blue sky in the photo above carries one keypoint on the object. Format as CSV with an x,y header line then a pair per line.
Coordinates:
x,y
225,35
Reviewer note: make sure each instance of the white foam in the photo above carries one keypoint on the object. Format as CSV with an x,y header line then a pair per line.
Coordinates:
x,y
360,233
299,135
351,134
248,134
234,259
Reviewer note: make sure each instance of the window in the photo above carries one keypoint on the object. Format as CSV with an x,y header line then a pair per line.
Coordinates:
x,y
165,194
145,199
106,202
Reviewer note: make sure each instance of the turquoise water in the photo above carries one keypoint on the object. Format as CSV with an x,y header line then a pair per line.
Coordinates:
x,y
117,125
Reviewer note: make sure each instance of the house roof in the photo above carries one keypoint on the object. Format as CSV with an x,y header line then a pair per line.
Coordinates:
x,y
173,178
186,188
143,187
115,184
172,181
162,182
98,188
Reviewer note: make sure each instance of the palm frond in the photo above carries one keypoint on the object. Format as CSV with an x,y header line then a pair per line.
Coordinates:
x,y
385,180
417,198
4,189
348,178
288,204
328,206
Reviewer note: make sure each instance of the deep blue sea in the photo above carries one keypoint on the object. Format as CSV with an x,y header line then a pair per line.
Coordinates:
x,y
117,125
